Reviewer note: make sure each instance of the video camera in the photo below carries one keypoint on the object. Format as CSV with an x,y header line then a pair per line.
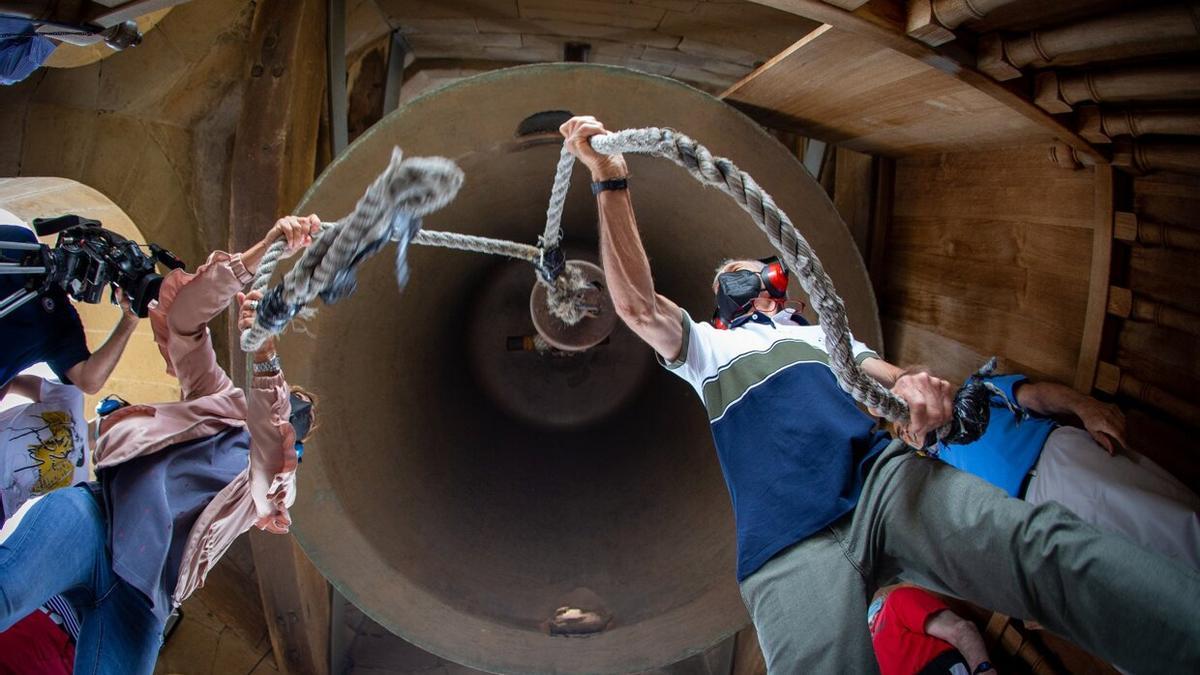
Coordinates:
x,y
85,259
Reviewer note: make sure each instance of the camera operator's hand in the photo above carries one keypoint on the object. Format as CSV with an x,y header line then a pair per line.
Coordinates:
x,y
247,307
298,231
127,313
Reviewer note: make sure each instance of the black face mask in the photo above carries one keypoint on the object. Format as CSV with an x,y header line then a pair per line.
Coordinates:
x,y
736,292
301,420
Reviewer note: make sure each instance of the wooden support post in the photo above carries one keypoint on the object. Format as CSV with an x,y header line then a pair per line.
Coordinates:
x,y
339,104
273,161
296,602
1001,631
1156,30
1112,379
1065,157
1101,125
1133,229
933,21
1057,93
398,53
1124,303
1147,156
1098,279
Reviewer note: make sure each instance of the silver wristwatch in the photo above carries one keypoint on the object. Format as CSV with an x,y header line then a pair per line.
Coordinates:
x,y
268,367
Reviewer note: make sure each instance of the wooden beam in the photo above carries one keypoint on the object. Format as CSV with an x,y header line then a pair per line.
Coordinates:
x,y
1144,31
853,192
1133,229
274,152
877,28
1098,280
1114,380
881,220
296,603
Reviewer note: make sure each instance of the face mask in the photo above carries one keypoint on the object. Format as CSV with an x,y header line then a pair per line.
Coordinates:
x,y
301,421
736,291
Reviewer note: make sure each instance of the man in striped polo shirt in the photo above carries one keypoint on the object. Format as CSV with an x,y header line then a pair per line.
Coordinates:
x,y
828,508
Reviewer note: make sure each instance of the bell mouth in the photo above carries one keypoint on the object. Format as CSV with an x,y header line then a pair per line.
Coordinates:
x,y
462,508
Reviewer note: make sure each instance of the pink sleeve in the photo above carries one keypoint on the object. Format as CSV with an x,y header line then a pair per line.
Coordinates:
x,y
186,303
272,452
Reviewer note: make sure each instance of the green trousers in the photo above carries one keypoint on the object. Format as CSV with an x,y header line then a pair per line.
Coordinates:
x,y
922,521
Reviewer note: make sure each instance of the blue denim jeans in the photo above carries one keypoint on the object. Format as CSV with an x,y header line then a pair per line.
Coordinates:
x,y
59,548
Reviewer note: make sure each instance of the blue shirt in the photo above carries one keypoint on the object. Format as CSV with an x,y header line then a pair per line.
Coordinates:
x,y
1009,447
20,56
46,328
153,501
794,448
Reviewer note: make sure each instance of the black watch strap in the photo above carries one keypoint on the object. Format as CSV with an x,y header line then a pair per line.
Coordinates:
x,y
614,184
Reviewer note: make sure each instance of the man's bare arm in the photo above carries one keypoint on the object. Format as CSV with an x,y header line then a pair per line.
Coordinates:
x,y
1103,421
29,386
92,373
962,634
930,399
653,317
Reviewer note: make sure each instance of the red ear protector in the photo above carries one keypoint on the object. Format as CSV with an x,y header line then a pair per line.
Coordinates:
x,y
774,277
736,291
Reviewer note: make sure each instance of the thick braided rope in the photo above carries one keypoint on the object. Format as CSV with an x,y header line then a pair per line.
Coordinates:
x,y
558,198
721,173
400,195
475,244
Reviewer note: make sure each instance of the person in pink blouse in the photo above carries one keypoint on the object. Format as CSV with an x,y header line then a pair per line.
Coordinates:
x,y
178,481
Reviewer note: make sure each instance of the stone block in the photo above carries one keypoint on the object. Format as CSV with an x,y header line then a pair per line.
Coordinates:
x,y
673,5
762,31
717,52
220,22
523,54
599,48
437,26
365,23
577,30
680,59
711,81
592,11
399,10
641,65
426,45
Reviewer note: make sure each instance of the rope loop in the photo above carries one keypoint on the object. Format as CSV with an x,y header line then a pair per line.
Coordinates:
x,y
390,209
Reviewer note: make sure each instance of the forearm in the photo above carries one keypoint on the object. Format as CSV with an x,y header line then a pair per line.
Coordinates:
x,y
252,256
29,386
881,371
92,374
1050,398
626,266
961,634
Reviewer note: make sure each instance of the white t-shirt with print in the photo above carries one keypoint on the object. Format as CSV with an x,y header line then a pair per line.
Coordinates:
x,y
43,445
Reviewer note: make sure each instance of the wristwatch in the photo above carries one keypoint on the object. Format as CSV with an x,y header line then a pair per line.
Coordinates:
x,y
983,667
268,367
612,184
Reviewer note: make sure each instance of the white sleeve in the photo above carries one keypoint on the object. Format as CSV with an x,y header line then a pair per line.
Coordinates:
x,y
695,362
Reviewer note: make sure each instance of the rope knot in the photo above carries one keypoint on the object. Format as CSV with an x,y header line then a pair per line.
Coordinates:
x,y
274,312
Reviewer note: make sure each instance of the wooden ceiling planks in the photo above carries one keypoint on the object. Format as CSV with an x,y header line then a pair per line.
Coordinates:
x,y
850,90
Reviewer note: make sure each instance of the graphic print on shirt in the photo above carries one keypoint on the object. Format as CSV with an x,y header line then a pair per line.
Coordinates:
x,y
56,451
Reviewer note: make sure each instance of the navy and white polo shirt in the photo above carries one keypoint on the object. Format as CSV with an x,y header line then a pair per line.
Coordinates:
x,y
793,446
